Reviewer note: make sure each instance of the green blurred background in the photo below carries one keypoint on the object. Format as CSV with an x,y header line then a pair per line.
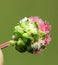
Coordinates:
x,y
10,13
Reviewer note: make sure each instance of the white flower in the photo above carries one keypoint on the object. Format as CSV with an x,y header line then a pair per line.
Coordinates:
x,y
37,45
32,28
23,20
41,41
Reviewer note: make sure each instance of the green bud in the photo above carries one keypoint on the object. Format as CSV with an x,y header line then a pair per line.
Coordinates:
x,y
35,37
26,35
23,24
17,35
42,34
35,24
20,42
27,38
12,42
18,29
20,46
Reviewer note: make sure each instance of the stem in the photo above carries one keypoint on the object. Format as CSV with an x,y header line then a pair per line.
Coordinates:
x,y
4,45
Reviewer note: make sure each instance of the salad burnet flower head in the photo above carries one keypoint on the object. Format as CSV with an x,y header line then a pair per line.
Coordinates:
x,y
31,34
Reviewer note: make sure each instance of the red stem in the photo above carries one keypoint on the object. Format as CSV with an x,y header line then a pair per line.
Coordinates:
x,y
4,45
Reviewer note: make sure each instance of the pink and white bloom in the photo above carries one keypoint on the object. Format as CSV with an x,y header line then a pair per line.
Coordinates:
x,y
34,19
43,26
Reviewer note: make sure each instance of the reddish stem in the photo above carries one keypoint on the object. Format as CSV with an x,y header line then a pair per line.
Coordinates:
x,y
4,45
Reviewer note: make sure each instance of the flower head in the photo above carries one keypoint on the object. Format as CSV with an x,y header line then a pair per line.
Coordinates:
x,y
31,34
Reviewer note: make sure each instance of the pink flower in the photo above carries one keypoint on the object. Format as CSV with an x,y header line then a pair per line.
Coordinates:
x,y
43,26
34,19
47,40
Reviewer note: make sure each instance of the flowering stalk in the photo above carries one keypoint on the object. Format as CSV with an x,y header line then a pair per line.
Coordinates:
x,y
4,45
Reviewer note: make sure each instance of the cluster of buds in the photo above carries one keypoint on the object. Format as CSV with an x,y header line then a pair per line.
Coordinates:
x,y
31,34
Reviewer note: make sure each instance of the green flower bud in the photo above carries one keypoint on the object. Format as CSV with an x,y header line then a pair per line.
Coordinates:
x,y
36,24
42,34
27,36
17,35
18,29
20,42
35,37
20,46
12,42
23,24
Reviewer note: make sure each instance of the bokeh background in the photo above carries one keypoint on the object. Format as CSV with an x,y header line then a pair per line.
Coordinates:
x,y
11,11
